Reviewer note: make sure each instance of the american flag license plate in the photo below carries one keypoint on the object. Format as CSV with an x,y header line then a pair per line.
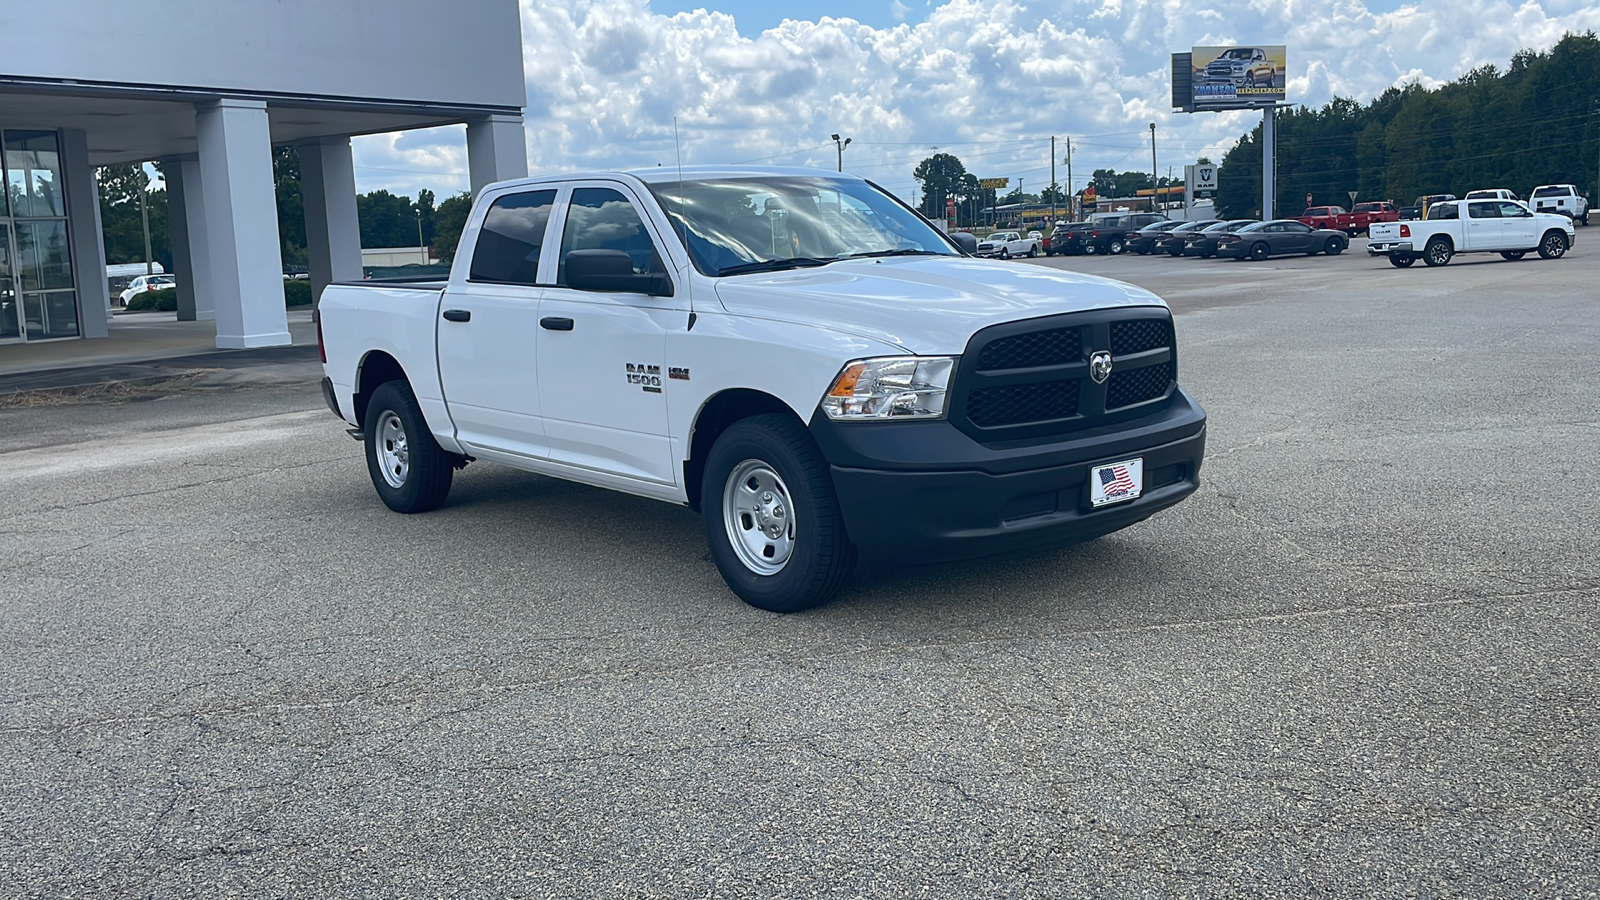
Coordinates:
x,y
1116,482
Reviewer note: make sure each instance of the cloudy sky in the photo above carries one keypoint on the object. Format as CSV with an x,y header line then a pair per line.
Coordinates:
x,y
757,81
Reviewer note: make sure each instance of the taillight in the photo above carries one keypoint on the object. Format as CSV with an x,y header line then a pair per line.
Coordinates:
x,y
1405,231
322,352
1094,234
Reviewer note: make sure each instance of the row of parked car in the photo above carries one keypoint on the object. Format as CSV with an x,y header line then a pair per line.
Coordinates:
x,y
1148,233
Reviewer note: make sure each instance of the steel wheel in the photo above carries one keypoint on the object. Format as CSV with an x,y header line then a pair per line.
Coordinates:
x,y
394,453
758,516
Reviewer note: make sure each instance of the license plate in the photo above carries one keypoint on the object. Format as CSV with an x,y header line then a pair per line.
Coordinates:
x,y
1116,482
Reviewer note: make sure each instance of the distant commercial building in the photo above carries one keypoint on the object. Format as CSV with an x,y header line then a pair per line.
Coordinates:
x,y
210,89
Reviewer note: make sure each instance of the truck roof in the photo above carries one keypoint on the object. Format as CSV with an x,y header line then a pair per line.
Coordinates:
x,y
670,174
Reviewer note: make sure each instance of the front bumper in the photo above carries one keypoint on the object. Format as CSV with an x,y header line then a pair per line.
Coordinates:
x,y
925,490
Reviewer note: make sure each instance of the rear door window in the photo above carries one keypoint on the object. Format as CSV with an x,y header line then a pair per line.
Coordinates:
x,y
513,232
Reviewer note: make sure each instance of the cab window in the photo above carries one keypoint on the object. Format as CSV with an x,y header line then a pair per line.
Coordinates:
x,y
508,243
603,219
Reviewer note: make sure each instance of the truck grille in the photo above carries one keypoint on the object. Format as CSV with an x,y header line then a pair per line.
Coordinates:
x,y
1031,379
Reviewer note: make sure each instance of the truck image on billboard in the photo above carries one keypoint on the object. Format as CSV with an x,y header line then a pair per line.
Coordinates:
x,y
1238,77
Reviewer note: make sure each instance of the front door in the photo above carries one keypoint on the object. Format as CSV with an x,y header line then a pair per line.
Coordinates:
x,y
10,315
1521,228
601,355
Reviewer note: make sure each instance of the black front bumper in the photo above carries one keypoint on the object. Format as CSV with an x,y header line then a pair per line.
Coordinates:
x,y
925,490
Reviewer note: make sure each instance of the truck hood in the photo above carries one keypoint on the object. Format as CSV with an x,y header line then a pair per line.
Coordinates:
x,y
923,304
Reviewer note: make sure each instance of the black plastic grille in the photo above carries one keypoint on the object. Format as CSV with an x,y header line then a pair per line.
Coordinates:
x,y
1037,348
1139,335
1011,404
1131,386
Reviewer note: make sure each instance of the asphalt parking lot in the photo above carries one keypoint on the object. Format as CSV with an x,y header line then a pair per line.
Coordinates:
x,y
1360,662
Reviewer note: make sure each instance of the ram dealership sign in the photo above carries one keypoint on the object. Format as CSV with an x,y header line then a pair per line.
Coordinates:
x,y
1229,77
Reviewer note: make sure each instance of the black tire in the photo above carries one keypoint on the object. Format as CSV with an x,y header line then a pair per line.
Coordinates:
x,y
1437,252
1513,255
1260,251
820,553
1116,246
1585,218
1401,260
1553,245
409,469
1005,252
1175,251
1032,252
1207,254
1333,247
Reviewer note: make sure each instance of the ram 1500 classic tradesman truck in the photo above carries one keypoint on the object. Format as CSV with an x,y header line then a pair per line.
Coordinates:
x,y
794,353
1505,227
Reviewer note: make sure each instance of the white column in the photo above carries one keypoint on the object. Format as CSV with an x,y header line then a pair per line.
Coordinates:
x,y
178,236
333,230
84,233
241,222
197,242
497,150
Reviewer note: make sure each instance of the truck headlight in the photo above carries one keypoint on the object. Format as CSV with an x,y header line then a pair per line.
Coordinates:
x,y
890,387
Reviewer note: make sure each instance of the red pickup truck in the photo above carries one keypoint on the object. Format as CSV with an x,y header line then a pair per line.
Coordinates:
x,y
1328,217
1365,214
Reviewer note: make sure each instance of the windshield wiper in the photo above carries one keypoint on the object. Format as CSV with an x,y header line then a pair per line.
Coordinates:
x,y
773,265
895,253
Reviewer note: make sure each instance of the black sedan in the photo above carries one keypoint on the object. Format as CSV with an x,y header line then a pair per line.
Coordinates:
x,y
1143,241
1263,239
1171,243
1203,243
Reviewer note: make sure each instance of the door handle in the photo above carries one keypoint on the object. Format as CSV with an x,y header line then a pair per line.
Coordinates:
x,y
554,323
458,315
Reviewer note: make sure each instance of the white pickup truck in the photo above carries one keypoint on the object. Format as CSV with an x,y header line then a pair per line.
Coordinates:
x,y
1563,199
1006,244
1471,226
796,354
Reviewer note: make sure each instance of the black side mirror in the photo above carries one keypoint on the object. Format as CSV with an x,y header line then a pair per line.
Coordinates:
x,y
967,242
612,271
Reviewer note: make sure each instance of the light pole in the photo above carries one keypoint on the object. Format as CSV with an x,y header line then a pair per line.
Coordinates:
x,y
1155,180
841,145
420,245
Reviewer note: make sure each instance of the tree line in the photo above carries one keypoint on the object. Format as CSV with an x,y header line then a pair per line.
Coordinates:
x,y
1538,122
387,220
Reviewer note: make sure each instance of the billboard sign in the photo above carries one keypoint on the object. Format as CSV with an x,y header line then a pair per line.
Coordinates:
x,y
1237,77
993,184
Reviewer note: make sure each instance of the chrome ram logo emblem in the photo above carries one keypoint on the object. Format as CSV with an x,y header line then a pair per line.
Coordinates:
x,y
1100,366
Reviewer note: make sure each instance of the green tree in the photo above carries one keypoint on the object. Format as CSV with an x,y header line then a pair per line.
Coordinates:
x,y
291,206
942,176
449,219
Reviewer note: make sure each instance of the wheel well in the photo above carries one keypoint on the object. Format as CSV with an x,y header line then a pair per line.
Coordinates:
x,y
719,412
376,368
1553,231
1448,242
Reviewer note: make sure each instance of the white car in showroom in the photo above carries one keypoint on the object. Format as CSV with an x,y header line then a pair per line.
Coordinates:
x,y
1006,244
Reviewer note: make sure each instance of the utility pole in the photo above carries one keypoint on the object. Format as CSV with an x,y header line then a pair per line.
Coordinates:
x,y
420,245
1155,179
841,145
144,218
1053,187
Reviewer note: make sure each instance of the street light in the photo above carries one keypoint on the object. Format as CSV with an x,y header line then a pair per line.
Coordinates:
x,y
420,245
841,145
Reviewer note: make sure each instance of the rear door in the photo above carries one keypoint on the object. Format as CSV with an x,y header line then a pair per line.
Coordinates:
x,y
488,326
601,355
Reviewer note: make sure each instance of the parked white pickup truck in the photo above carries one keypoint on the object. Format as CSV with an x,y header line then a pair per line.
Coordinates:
x,y
1006,244
796,354
1471,226
1564,199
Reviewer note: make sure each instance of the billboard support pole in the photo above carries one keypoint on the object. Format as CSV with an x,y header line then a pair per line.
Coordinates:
x,y
1268,160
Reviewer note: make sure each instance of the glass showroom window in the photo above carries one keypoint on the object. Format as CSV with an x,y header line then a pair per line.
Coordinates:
x,y
43,258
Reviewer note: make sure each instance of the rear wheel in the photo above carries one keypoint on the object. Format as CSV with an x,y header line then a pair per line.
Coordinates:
x,y
1553,245
1032,251
1260,251
1438,252
1513,255
1333,247
772,518
409,469
1116,246
1401,260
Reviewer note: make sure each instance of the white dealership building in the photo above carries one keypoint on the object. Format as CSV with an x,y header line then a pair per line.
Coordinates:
x,y
209,89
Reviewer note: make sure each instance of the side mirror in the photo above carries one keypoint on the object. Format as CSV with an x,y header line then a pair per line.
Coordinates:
x,y
967,242
612,271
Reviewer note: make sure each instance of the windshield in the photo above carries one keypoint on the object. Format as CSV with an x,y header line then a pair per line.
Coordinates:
x,y
737,224
1235,54
1550,192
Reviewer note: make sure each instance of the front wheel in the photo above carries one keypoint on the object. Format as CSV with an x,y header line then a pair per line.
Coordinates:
x,y
1333,247
1553,245
1401,260
409,469
1005,252
1513,255
772,518
1438,252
